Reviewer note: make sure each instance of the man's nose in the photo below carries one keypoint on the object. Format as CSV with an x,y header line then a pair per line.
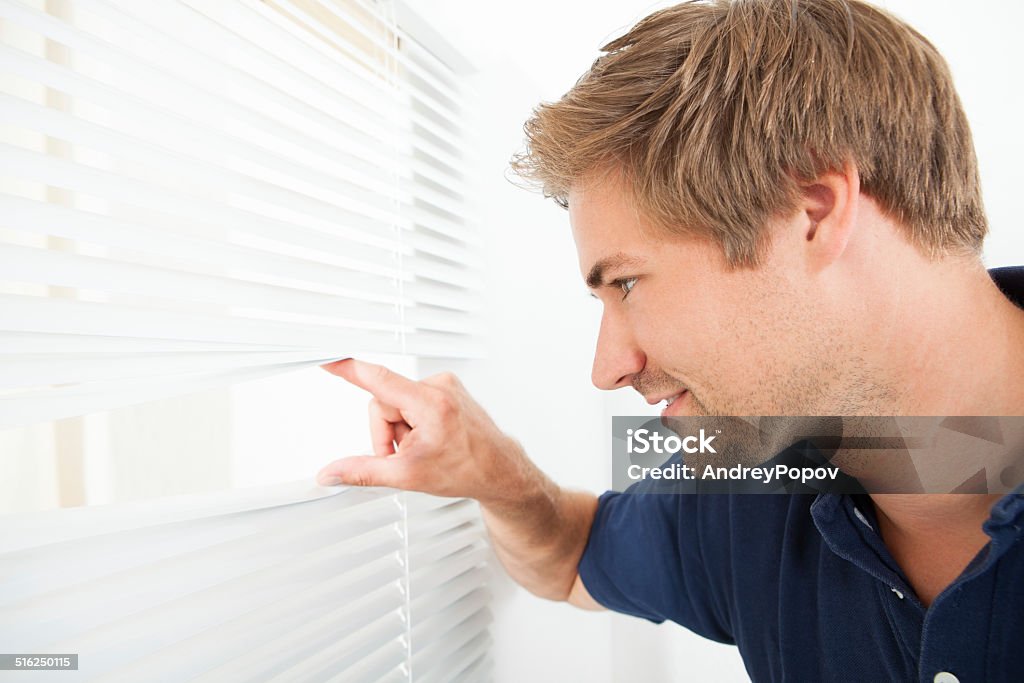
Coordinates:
x,y
617,357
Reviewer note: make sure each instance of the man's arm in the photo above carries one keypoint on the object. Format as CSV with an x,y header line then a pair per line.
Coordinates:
x,y
540,540
431,436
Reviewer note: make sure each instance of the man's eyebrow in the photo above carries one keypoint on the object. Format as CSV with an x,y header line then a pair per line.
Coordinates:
x,y
595,278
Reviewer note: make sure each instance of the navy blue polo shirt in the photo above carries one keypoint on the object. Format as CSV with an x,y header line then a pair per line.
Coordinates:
x,y
805,587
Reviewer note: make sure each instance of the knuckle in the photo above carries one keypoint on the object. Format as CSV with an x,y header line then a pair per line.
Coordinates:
x,y
374,407
446,407
357,477
444,380
427,446
449,379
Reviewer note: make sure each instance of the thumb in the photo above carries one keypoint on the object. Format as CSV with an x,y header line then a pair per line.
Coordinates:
x,y
364,470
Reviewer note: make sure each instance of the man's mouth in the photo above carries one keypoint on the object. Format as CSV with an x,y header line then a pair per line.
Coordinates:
x,y
673,403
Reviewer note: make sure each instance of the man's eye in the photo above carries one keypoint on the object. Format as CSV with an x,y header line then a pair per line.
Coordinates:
x,y
626,285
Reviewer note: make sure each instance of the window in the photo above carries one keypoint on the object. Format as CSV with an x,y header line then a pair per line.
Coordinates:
x,y
200,194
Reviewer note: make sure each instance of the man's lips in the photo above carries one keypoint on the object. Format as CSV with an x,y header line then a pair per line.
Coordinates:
x,y
658,398
672,401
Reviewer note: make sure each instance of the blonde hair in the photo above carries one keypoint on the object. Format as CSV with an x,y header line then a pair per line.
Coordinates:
x,y
716,112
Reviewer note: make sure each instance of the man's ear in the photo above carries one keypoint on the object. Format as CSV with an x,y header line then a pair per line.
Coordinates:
x,y
829,206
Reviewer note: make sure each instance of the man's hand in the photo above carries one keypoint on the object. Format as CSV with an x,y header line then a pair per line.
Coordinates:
x,y
432,436
429,436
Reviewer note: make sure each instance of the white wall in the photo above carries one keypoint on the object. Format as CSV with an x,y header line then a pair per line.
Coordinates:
x,y
542,329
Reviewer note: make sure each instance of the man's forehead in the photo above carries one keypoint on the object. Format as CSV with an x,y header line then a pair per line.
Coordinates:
x,y
599,212
606,228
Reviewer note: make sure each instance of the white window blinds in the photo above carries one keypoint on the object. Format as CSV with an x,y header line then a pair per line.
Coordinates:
x,y
286,583
194,193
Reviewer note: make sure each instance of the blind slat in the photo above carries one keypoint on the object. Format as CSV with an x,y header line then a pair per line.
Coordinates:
x,y
464,642
24,313
30,342
436,620
442,224
469,663
478,670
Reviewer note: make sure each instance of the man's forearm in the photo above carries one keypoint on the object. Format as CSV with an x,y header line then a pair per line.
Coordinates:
x,y
539,535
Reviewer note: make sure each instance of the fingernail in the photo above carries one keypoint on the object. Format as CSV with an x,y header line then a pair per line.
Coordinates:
x,y
329,481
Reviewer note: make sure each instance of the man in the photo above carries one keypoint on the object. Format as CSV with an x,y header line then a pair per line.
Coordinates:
x,y
777,203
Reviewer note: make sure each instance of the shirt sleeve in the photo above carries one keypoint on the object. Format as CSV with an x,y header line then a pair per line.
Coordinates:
x,y
644,557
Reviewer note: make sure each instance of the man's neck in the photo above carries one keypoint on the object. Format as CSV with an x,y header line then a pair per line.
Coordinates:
x,y
955,344
937,514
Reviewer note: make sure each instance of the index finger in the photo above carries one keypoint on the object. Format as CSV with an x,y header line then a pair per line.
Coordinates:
x,y
385,384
